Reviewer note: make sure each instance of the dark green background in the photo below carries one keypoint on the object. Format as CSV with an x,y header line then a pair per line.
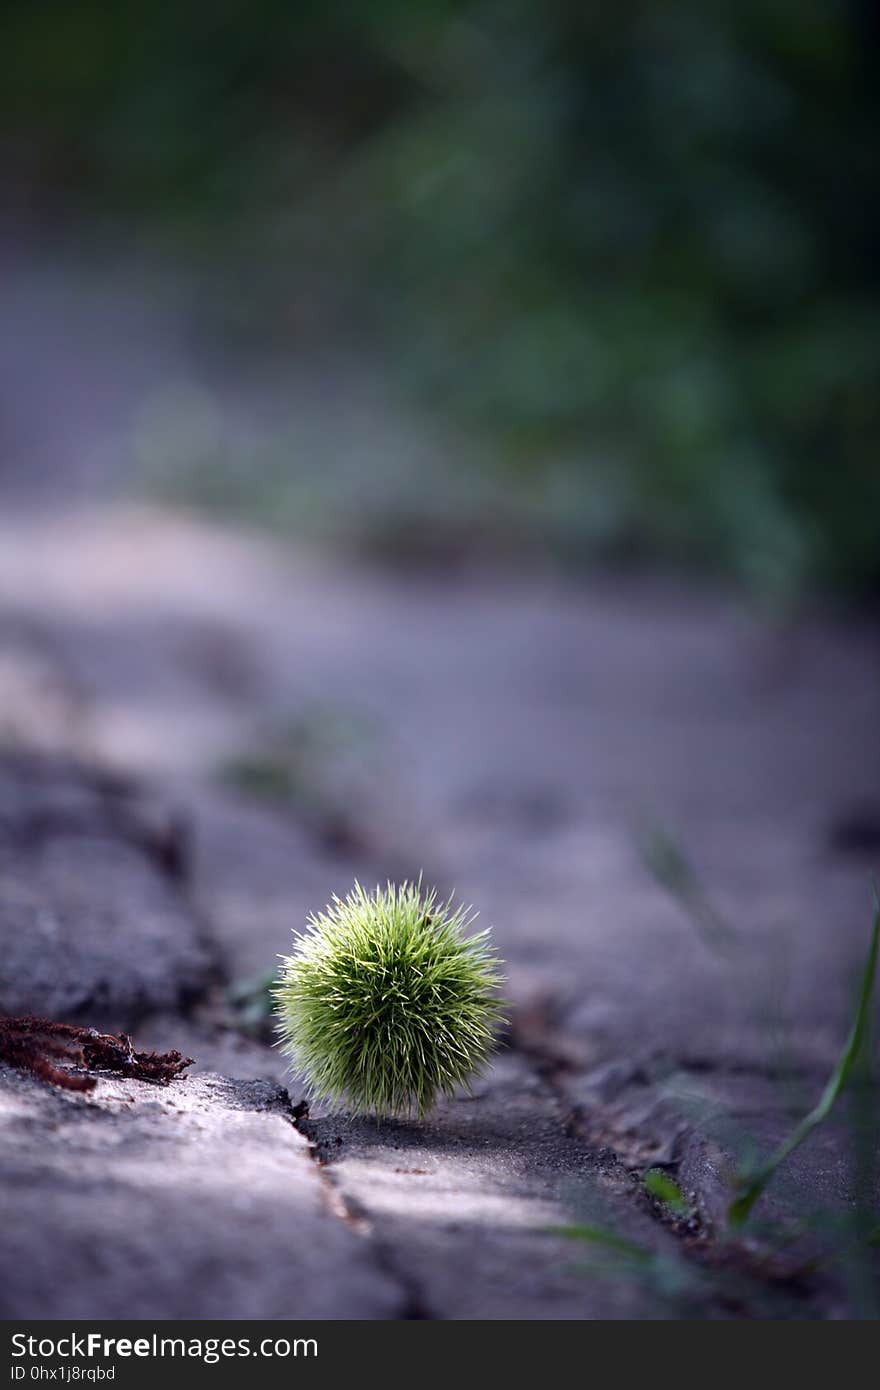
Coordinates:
x,y
629,249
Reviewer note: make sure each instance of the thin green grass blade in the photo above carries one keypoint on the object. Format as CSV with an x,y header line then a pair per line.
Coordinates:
x,y
663,1189
607,1240
756,1182
667,862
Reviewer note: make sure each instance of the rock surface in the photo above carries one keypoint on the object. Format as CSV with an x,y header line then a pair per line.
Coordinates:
x,y
520,735
469,1205
199,1201
94,923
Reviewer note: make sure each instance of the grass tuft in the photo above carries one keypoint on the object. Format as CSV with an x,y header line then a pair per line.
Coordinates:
x,y
386,1003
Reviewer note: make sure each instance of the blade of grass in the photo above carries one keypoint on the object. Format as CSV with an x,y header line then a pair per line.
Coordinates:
x,y
754,1184
608,1240
665,859
661,1187
678,1285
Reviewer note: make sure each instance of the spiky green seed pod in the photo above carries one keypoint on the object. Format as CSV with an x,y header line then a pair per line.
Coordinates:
x,y
386,1003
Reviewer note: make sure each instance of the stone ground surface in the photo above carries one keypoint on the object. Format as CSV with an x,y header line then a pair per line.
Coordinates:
x,y
173,1202
511,737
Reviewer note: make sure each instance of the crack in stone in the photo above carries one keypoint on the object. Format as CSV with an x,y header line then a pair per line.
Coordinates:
x,y
413,1303
696,1236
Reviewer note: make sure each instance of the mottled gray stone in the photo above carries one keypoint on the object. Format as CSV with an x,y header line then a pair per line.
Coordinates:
x,y
94,921
526,727
196,1201
468,1204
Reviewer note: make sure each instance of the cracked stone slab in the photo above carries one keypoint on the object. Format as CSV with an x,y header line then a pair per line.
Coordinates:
x,y
196,1201
734,1116
465,1204
705,1125
93,916
528,727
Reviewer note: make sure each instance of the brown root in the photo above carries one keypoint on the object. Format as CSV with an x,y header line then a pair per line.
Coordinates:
x,y
68,1056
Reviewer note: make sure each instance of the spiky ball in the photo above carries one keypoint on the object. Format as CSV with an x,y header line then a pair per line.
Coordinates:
x,y
386,1003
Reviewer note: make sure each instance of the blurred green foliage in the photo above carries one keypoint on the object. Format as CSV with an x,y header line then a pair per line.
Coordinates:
x,y
634,248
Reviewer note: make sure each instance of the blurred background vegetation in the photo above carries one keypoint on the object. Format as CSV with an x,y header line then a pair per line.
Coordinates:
x,y
627,255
